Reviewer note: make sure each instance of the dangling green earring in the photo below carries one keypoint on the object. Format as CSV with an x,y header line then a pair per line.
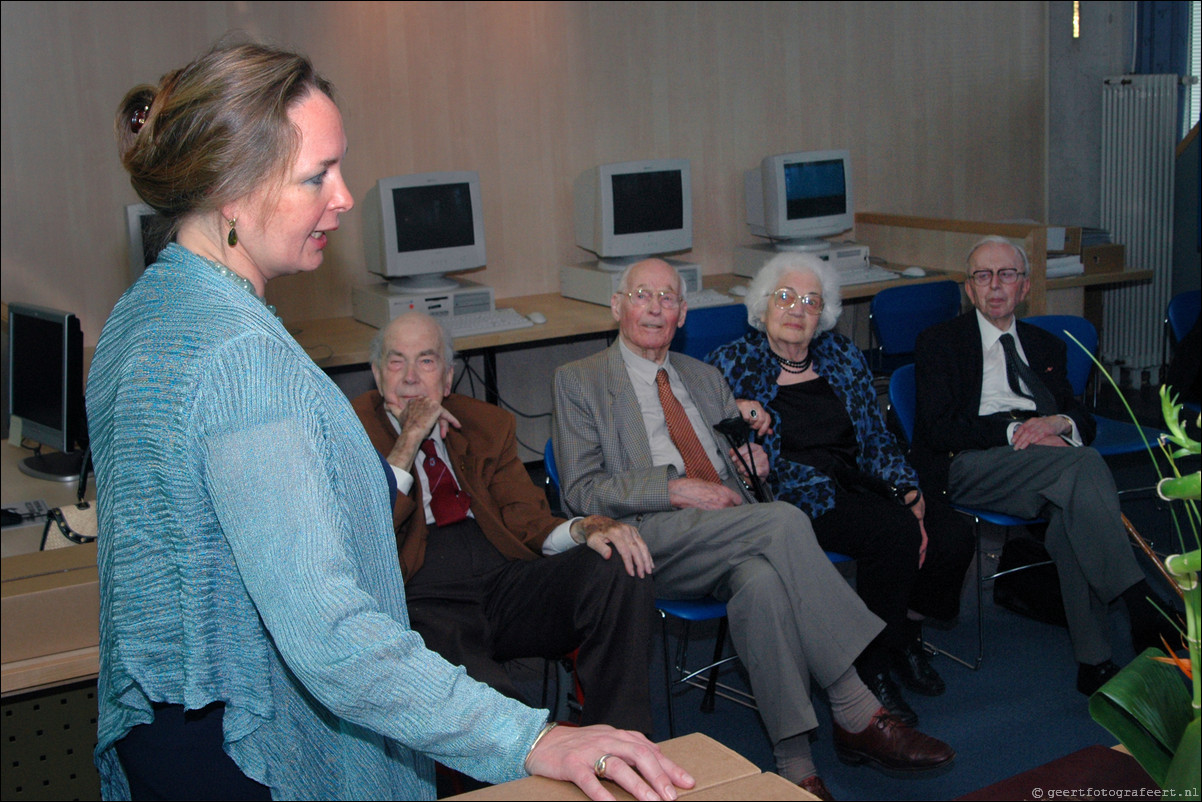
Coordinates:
x,y
232,239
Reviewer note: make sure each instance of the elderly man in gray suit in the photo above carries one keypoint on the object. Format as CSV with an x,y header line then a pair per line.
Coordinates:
x,y
633,441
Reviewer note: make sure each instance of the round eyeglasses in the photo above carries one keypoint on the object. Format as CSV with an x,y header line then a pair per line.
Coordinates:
x,y
667,299
787,298
1007,275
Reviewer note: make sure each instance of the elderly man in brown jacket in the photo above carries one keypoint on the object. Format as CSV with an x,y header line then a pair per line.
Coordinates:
x,y
490,573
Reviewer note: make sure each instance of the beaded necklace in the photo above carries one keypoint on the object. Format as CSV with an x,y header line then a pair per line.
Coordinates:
x,y
789,366
241,281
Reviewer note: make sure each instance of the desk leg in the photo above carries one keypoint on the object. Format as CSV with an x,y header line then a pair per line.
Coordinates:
x,y
490,377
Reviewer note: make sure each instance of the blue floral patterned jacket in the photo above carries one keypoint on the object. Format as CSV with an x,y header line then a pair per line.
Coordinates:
x,y
751,371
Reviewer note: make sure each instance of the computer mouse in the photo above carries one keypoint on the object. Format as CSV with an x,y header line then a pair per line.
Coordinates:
x,y
739,290
537,318
914,272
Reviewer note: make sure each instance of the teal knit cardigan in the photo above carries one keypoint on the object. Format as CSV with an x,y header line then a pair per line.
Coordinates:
x,y
246,556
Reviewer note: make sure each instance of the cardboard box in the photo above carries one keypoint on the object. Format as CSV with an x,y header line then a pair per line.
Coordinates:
x,y
720,772
1064,239
1104,258
49,603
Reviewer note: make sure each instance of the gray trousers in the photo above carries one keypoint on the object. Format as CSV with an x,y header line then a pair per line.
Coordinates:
x,y
1074,489
791,612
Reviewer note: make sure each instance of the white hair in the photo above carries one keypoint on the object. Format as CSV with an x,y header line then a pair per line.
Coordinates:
x,y
994,239
375,350
768,279
623,286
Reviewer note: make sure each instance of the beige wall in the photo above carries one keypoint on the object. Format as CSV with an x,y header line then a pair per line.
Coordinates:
x,y
941,104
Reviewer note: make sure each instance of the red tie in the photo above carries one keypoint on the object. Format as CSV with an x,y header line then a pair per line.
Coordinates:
x,y
696,464
448,503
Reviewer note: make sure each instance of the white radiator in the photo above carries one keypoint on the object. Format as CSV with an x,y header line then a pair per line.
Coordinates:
x,y
1139,135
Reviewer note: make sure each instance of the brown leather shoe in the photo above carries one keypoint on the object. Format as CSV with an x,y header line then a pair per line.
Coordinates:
x,y
888,744
817,787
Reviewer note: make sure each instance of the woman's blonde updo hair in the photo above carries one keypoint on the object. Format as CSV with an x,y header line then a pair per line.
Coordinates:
x,y
215,130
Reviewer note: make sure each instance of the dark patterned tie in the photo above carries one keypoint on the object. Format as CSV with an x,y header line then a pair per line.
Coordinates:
x,y
1016,369
448,503
696,464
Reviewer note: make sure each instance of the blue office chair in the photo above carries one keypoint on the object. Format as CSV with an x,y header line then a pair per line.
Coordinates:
x,y
903,398
897,315
1182,313
707,328
1114,436
1179,318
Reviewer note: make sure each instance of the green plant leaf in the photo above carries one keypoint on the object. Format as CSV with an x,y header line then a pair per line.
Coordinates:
x,y
1183,773
1146,706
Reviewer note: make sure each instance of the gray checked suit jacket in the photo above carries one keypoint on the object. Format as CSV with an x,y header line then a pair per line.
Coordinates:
x,y
601,446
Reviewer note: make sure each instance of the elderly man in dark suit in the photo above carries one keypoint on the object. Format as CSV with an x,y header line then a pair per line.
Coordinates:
x,y
634,440
999,428
473,530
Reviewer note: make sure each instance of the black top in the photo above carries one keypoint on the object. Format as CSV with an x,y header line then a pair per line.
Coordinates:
x,y
815,427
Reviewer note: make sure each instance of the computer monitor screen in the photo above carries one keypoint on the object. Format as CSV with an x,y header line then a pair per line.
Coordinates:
x,y
147,232
630,210
797,198
417,228
45,387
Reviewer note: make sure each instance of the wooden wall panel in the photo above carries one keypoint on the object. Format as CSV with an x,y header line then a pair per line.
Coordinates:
x,y
941,104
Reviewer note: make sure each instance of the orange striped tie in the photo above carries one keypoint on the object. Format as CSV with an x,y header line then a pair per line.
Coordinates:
x,y
696,464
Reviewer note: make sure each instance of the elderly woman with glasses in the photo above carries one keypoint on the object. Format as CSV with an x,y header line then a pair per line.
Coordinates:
x,y
806,391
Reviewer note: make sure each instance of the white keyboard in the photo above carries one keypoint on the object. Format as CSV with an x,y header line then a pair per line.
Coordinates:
x,y
707,297
486,322
865,275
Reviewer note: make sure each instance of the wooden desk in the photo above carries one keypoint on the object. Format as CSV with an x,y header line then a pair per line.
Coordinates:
x,y
342,342
943,244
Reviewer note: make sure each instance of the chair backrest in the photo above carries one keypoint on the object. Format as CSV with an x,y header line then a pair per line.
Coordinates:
x,y
903,397
1183,313
707,328
899,314
1078,365
549,464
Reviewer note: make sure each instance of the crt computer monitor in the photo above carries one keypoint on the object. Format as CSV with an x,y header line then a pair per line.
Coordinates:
x,y
45,388
796,199
417,228
630,210
146,231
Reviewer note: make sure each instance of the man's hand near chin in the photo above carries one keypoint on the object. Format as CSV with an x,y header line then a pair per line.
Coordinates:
x,y
417,420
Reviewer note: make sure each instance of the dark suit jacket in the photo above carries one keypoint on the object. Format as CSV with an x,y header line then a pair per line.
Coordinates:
x,y
949,367
512,512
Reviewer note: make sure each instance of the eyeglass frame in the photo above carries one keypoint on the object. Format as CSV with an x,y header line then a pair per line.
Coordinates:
x,y
812,302
662,295
1001,276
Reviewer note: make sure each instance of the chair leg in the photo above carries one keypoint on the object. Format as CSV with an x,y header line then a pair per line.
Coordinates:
x,y
711,685
663,619
547,685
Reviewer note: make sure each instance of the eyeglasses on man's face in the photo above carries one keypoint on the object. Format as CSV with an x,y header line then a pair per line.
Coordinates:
x,y
642,297
1007,275
787,298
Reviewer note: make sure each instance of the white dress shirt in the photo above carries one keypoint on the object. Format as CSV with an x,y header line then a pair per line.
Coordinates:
x,y
996,395
663,450
559,540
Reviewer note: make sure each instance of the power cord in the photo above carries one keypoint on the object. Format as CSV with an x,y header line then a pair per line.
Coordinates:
x,y
471,374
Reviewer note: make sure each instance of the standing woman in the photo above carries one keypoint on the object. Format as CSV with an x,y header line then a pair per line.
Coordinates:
x,y
253,637
807,392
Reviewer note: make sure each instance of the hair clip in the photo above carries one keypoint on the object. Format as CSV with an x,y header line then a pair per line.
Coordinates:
x,y
139,119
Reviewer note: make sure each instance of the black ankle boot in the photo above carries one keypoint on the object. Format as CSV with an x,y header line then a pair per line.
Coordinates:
x,y
1090,678
889,695
913,667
